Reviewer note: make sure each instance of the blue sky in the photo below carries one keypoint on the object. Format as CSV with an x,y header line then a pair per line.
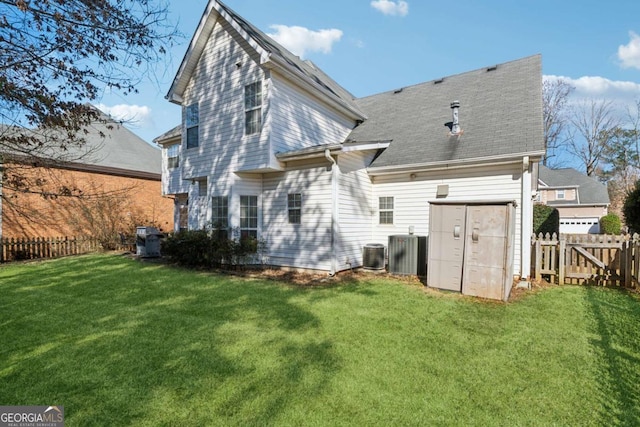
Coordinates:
x,y
373,46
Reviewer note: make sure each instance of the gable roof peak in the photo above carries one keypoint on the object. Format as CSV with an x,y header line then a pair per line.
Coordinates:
x,y
271,54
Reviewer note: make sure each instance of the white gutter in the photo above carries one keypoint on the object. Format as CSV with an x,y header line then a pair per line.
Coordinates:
x,y
454,164
334,211
526,218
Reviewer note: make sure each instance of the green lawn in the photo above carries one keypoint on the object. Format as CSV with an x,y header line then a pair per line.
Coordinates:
x,y
118,342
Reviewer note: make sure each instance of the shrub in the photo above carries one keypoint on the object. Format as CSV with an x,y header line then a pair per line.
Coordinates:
x,y
610,224
631,209
546,219
209,248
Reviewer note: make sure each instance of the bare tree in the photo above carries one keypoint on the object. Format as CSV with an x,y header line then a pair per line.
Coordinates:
x,y
592,124
555,95
57,56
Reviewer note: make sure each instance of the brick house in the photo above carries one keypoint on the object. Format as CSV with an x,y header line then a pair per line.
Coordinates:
x,y
113,182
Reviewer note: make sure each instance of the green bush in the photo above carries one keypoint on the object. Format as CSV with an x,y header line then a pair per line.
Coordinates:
x,y
209,248
546,219
610,224
631,209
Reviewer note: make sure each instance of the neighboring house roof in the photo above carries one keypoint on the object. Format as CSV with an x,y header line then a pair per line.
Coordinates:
x,y
268,49
500,114
590,190
172,135
111,148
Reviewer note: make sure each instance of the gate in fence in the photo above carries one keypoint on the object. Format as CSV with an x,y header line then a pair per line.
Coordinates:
x,y
606,260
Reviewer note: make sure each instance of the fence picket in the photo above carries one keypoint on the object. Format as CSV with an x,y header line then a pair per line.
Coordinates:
x,y
593,259
15,249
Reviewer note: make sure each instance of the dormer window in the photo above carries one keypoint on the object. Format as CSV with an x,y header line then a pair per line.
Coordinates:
x,y
192,120
253,108
560,195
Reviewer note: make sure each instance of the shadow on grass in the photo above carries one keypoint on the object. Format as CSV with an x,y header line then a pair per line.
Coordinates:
x,y
117,343
616,338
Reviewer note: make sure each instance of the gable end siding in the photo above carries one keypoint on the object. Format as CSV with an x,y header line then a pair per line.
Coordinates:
x,y
217,85
298,121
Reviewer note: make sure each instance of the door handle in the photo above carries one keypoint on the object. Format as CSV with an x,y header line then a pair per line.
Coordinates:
x,y
456,231
475,235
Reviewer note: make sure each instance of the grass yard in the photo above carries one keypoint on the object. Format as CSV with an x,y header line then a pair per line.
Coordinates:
x,y
118,342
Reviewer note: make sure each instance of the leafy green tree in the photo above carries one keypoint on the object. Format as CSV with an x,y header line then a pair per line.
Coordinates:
x,y
610,224
631,209
546,219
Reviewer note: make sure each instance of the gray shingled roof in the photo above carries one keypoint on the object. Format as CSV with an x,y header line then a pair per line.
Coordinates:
x,y
173,133
500,114
119,151
590,190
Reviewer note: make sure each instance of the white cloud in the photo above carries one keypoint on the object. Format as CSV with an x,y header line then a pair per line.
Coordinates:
x,y
388,7
601,87
134,116
629,55
300,40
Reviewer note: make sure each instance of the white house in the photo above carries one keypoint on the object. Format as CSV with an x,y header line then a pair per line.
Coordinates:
x,y
272,146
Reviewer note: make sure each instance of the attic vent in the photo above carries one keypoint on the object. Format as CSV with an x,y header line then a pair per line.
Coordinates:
x,y
495,67
398,90
437,82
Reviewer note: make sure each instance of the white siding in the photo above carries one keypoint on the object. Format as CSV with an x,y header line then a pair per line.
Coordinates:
x,y
172,182
217,85
297,121
413,195
355,192
304,245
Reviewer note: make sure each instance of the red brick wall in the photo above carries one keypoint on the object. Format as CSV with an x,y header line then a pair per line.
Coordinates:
x,y
122,200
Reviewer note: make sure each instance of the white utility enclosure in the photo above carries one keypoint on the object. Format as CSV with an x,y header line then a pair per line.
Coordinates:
x,y
471,248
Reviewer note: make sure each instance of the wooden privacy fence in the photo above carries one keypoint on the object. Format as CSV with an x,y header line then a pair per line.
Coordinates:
x,y
16,249
594,259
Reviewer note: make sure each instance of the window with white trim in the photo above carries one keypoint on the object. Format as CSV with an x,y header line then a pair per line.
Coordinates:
x,y
253,108
192,121
560,195
294,206
249,216
386,210
173,156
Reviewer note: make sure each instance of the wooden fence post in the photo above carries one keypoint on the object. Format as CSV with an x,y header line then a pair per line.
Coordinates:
x,y
538,263
562,259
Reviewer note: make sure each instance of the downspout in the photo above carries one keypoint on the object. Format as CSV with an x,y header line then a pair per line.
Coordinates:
x,y
526,226
334,211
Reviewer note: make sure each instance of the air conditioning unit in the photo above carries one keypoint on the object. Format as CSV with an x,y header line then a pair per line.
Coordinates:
x,y
373,256
408,255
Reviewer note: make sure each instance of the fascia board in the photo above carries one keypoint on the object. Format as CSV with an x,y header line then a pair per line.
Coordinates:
x,y
534,156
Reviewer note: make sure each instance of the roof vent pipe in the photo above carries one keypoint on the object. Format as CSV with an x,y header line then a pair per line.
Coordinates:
x,y
455,127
